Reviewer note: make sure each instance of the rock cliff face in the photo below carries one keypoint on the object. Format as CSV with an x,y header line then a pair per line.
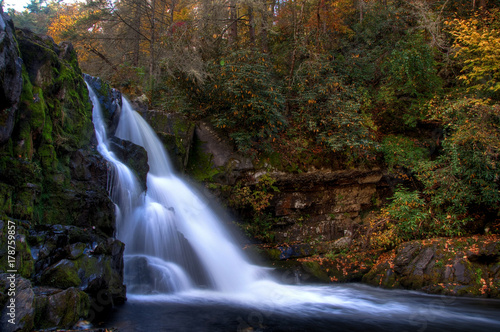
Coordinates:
x,y
52,188
10,72
314,206
332,201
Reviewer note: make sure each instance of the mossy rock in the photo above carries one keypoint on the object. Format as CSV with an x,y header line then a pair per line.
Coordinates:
x,y
459,266
63,274
16,171
60,308
200,164
315,269
6,198
24,264
25,306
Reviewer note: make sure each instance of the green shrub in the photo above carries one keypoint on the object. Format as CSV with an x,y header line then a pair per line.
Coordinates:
x,y
414,218
402,151
410,78
330,110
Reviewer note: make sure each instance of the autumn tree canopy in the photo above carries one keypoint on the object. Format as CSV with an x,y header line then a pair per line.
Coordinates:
x,y
412,86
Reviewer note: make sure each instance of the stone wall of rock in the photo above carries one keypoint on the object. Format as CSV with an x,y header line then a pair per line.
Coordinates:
x,y
10,72
52,188
323,205
315,206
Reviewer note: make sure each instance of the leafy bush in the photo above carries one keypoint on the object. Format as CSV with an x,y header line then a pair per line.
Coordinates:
x,y
476,44
464,179
461,186
245,100
402,151
256,198
329,110
414,218
410,77
408,209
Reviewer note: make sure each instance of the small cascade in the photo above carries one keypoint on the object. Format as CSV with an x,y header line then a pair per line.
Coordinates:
x,y
174,240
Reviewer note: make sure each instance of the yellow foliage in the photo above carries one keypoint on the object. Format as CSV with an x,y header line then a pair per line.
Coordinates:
x,y
64,26
476,44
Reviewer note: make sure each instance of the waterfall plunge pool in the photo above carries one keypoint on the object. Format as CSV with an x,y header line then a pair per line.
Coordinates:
x,y
268,306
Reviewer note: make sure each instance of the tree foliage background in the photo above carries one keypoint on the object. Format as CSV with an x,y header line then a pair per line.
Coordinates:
x,y
413,86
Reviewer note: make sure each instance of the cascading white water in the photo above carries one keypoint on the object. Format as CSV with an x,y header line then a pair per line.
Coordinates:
x,y
169,223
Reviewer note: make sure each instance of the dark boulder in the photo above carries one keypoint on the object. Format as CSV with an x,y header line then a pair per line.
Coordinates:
x,y
68,256
60,308
110,100
23,307
132,155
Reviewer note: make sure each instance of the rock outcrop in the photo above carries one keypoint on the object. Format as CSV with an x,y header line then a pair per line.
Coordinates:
x,y
134,156
110,100
10,74
320,205
323,205
53,189
462,266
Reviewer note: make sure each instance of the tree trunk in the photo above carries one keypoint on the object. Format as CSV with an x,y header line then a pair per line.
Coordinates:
x,y
251,23
296,27
152,47
265,24
233,19
137,39
361,8
318,25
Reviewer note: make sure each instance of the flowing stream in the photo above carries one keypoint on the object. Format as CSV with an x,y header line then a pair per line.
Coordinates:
x,y
184,272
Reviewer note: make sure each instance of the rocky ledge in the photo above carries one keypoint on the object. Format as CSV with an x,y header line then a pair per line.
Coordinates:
x,y
451,266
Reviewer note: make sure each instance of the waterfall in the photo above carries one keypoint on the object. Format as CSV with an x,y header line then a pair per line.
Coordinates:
x,y
174,240
178,250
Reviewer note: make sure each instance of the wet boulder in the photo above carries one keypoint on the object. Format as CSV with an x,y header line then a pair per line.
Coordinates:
x,y
110,100
63,275
68,256
132,155
60,308
462,266
21,312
